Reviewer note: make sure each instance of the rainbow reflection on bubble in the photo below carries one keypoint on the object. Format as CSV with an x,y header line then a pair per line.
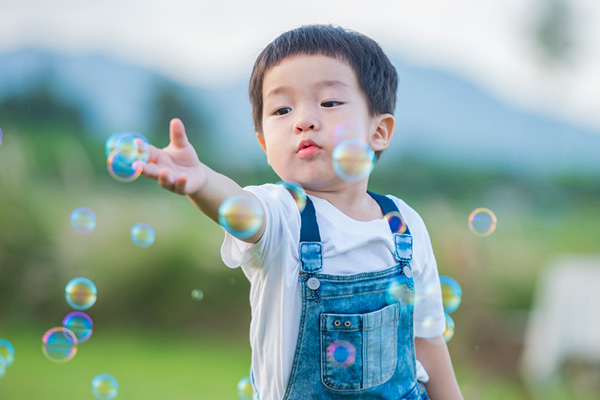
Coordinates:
x,y
80,293
7,352
128,142
482,222
241,215
399,292
80,324
122,165
449,332
244,389
83,220
451,294
105,387
353,160
59,344
197,294
397,224
297,193
142,235
341,354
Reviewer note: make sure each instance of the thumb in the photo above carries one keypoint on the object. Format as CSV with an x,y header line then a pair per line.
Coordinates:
x,y
177,133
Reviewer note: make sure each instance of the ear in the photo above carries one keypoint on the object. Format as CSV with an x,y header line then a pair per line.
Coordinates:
x,y
383,130
261,140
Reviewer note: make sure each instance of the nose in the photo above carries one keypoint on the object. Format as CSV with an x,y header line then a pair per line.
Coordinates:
x,y
305,122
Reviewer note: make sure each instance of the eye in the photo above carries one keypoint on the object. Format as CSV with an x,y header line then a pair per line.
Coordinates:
x,y
282,111
331,103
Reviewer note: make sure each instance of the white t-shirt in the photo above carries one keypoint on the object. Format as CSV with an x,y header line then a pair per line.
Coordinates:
x,y
349,246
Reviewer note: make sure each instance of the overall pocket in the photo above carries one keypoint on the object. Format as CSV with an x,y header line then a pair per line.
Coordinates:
x,y
359,351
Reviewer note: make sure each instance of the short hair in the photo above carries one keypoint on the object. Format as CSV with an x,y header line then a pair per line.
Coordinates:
x,y
376,75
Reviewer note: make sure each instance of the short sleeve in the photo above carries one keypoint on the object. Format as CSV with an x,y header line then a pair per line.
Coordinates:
x,y
282,218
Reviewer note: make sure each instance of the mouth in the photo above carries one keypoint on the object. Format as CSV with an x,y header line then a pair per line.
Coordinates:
x,y
307,148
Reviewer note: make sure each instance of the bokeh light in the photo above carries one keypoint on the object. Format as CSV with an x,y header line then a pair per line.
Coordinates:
x,y
142,235
105,387
80,293
7,351
449,332
482,222
341,353
59,344
241,215
197,294
297,193
244,389
83,220
353,160
397,224
80,324
451,294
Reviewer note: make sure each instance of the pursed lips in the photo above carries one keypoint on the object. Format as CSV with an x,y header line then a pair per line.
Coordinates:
x,y
307,148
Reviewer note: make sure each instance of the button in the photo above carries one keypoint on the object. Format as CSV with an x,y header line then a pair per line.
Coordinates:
x,y
313,283
408,272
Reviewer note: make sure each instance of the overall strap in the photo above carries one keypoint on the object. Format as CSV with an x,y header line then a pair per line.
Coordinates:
x,y
404,240
310,249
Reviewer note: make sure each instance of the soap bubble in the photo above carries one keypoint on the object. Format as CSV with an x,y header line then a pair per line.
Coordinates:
x,y
449,332
142,235
241,215
80,293
80,324
353,160
482,222
341,353
244,388
197,294
297,193
397,224
3,366
59,344
105,387
83,220
122,165
7,351
451,294
128,142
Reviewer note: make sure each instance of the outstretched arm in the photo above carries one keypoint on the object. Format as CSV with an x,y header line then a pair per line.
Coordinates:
x,y
178,169
433,354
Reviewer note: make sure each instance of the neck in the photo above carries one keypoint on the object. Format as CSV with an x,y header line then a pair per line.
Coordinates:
x,y
353,201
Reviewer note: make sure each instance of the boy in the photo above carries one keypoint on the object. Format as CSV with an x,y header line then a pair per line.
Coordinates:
x,y
323,325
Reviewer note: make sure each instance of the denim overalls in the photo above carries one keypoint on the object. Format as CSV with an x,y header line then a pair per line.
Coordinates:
x,y
354,340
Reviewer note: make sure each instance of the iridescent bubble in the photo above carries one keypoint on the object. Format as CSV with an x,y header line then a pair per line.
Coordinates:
x,y
7,351
244,388
353,160
83,220
449,332
197,294
59,344
451,294
142,235
122,165
105,387
341,354
397,224
129,142
399,292
80,293
3,366
482,222
241,215
80,324
297,193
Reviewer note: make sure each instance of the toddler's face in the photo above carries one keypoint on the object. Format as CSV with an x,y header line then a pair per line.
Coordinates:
x,y
305,98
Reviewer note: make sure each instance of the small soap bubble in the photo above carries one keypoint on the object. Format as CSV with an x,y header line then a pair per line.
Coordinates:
x,y
128,142
59,344
399,292
244,389
451,294
80,324
241,215
122,165
449,332
397,224
7,351
3,367
142,235
80,293
482,222
297,193
341,354
105,387
353,160
83,220
197,294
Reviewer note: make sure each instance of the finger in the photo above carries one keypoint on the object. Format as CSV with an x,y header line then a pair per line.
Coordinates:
x,y
180,184
165,179
153,153
177,133
148,170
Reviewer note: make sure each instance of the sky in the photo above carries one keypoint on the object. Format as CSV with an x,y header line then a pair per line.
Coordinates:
x,y
214,43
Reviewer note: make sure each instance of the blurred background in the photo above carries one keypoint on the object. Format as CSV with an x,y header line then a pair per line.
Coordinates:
x,y
498,107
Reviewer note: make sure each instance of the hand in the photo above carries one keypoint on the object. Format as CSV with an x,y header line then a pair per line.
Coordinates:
x,y
176,167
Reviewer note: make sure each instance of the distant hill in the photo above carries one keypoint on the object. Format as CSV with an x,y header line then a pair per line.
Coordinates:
x,y
441,117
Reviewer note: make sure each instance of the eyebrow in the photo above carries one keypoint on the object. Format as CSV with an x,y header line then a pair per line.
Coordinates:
x,y
318,85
